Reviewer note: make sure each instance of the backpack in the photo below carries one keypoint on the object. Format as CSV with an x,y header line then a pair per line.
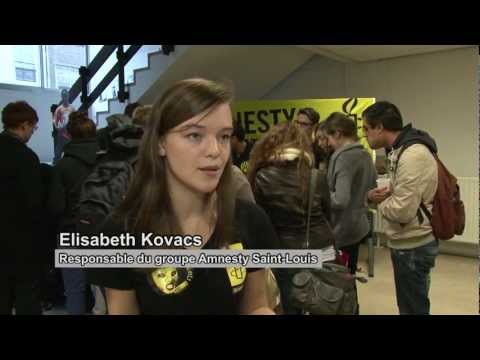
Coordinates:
x,y
448,212
67,221
102,190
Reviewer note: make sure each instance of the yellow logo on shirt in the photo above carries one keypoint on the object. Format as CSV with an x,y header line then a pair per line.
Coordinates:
x,y
171,280
236,274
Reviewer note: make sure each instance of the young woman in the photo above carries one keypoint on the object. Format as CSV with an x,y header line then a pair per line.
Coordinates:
x,y
280,168
183,185
321,149
351,174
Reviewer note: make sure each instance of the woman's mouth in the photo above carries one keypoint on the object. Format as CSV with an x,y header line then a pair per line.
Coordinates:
x,y
210,170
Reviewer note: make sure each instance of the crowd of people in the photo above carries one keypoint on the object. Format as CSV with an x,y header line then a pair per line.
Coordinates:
x,y
187,168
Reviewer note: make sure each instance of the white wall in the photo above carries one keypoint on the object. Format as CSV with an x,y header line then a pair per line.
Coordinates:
x,y
437,92
40,99
253,69
319,78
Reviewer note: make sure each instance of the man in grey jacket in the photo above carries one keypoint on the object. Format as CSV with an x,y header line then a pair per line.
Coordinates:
x,y
413,179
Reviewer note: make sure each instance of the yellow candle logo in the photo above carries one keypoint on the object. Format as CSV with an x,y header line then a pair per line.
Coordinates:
x,y
171,280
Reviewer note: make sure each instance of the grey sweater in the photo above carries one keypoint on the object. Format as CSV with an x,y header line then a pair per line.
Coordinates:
x,y
351,174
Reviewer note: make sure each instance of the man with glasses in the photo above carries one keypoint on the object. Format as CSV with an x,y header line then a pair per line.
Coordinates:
x,y
307,118
20,212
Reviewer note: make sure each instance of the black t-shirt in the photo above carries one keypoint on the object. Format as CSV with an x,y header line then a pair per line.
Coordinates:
x,y
241,161
199,290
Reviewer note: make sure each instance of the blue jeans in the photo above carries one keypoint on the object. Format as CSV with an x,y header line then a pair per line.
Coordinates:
x,y
75,284
411,269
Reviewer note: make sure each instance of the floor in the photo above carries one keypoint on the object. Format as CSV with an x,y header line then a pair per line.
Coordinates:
x,y
454,289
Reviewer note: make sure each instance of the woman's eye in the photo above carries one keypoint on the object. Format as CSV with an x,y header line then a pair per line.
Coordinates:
x,y
194,136
226,137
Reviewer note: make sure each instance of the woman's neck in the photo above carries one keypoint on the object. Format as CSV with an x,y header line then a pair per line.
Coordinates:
x,y
195,212
346,141
186,203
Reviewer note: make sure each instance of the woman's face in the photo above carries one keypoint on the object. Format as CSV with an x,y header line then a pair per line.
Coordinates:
x,y
335,140
197,150
322,141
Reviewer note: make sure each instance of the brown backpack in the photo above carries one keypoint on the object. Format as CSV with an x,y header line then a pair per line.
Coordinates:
x,y
448,211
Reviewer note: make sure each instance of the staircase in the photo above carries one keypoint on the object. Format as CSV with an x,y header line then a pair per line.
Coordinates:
x,y
254,70
143,78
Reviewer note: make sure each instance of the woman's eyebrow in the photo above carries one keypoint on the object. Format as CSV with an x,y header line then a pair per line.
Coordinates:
x,y
189,126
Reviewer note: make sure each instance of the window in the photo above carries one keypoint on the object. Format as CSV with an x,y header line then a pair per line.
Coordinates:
x,y
65,76
27,60
49,66
62,63
20,65
25,71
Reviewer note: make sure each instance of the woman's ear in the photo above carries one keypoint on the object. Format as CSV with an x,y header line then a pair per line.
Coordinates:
x,y
161,149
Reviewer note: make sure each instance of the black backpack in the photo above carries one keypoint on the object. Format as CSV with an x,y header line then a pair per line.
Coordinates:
x,y
102,190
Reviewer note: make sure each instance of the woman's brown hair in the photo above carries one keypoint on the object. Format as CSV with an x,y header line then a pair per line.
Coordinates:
x,y
268,151
80,126
147,205
340,122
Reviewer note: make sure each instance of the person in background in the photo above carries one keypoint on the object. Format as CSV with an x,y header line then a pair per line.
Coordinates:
x,y
280,171
321,149
351,174
51,279
413,180
141,115
130,108
241,148
307,118
60,120
79,159
54,107
21,207
114,122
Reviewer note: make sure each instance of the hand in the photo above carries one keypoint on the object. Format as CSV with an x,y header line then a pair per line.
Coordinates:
x,y
378,195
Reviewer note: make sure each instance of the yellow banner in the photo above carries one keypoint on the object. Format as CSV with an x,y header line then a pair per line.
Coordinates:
x,y
257,117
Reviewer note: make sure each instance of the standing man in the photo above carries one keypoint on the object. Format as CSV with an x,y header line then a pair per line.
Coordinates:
x,y
307,118
241,148
60,120
413,180
53,108
20,212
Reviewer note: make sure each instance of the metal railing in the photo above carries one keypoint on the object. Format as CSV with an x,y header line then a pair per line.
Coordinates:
x,y
80,87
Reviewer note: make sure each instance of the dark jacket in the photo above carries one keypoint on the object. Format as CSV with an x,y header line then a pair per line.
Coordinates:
x,y
351,174
114,122
124,142
277,191
79,159
410,135
21,193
